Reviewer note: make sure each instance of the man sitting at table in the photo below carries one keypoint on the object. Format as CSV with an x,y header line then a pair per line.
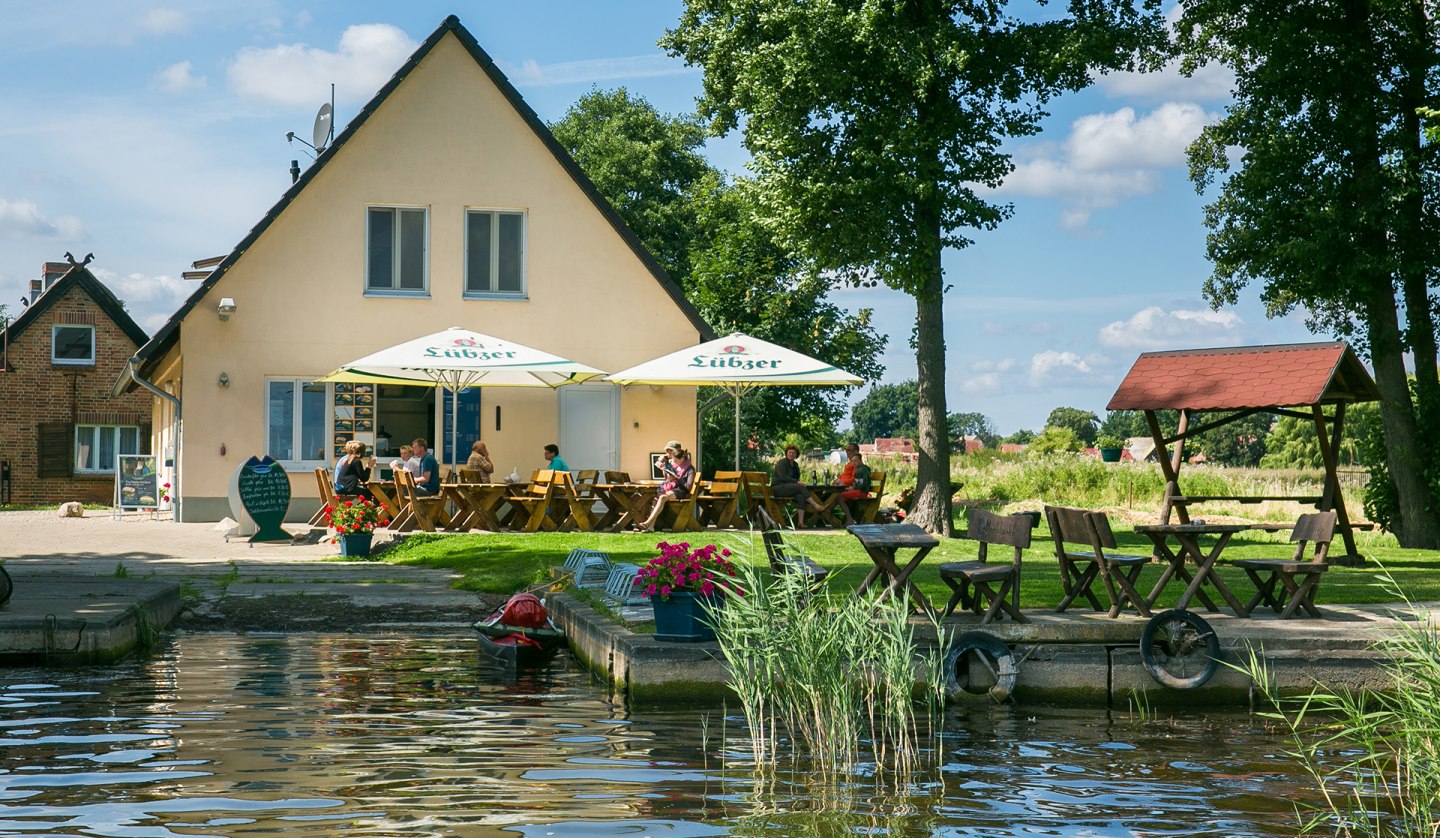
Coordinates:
x,y
427,482
855,477
552,456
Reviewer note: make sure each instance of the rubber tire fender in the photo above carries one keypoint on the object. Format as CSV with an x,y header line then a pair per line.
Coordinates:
x,y
1006,669
7,587
1198,623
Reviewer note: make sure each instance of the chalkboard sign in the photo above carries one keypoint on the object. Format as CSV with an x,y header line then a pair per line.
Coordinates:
x,y
136,482
265,494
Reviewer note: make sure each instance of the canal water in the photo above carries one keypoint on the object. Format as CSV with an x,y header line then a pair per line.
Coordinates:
x,y
348,735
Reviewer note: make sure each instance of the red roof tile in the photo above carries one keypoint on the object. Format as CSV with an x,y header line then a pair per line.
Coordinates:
x,y
1245,376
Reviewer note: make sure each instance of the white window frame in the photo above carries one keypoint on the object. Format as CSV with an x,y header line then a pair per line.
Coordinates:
x,y
72,362
495,213
95,431
297,432
424,289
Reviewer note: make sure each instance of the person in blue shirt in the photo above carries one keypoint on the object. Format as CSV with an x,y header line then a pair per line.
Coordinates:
x,y
428,481
553,458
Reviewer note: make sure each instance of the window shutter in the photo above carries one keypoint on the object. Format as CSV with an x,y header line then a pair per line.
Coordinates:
x,y
55,457
144,441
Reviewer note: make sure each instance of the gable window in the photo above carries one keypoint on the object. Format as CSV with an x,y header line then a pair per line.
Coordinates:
x,y
395,250
295,421
72,345
494,253
97,445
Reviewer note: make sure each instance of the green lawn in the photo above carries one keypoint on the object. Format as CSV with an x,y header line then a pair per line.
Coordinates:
x,y
502,563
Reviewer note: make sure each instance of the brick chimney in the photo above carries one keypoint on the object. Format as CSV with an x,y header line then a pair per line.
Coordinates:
x,y
37,286
52,271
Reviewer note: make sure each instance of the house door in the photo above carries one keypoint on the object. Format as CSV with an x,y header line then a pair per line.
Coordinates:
x,y
590,426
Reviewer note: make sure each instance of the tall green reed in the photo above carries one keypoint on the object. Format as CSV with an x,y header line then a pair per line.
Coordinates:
x,y
1374,755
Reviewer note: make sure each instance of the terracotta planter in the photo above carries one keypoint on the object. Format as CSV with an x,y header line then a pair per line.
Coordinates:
x,y
684,617
356,544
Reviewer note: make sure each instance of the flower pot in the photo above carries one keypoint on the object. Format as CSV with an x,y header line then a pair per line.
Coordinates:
x,y
683,617
1111,455
356,544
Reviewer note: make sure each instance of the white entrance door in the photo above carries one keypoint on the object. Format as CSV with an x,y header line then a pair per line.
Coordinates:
x,y
590,426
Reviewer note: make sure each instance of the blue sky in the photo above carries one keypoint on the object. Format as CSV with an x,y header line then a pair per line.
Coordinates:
x,y
153,134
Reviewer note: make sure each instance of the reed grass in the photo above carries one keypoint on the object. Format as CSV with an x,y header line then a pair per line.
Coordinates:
x,y
1374,755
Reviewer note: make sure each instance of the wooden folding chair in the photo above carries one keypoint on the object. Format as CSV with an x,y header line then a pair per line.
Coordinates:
x,y
585,480
718,503
763,509
865,509
574,510
1080,568
417,510
327,496
1316,528
989,528
532,509
783,560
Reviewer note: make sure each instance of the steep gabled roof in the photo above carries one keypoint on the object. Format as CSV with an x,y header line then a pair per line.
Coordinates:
x,y
1285,375
77,276
152,351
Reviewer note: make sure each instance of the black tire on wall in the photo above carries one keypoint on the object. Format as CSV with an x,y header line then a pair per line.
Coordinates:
x,y
1179,649
993,654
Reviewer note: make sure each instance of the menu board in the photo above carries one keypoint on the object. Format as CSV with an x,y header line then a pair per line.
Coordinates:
x,y
354,406
265,494
137,484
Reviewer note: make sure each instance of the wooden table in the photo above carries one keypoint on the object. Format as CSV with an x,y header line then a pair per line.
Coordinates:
x,y
383,491
881,543
1188,537
828,496
625,503
476,504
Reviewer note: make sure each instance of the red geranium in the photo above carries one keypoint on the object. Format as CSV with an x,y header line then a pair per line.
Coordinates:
x,y
356,516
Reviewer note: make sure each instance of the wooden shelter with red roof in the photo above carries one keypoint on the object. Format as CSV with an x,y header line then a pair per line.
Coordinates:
x,y
1300,380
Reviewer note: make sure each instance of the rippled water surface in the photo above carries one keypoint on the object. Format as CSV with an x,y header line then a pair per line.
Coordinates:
x,y
381,735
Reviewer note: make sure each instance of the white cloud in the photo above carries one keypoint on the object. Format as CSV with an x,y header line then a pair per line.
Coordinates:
x,y
533,74
1210,83
1154,328
22,219
179,77
987,365
988,383
150,300
1047,367
161,21
1107,158
297,74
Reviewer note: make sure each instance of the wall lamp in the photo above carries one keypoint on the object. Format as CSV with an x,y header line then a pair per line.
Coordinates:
x,y
224,380
226,307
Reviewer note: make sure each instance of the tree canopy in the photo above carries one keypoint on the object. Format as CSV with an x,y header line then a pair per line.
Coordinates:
x,y
887,410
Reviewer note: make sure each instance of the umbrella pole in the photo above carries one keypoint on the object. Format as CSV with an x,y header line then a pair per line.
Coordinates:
x,y
736,391
454,429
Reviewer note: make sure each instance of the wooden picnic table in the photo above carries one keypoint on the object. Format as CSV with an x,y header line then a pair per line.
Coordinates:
x,y
384,491
625,503
1187,536
828,496
881,543
476,504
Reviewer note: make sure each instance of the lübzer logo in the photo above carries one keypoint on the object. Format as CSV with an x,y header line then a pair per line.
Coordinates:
x,y
729,358
466,349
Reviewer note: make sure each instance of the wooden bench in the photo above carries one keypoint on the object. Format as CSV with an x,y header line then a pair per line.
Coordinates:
x,y
426,512
783,561
532,507
327,497
719,500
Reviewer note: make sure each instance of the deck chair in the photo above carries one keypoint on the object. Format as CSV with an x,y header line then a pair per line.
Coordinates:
x,y
989,528
1079,568
574,510
1316,528
718,503
784,560
532,509
417,510
327,496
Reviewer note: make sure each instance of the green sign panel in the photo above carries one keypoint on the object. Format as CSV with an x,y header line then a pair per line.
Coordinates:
x,y
265,494
137,480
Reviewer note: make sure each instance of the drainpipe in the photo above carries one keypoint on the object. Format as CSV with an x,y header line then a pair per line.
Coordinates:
x,y
133,367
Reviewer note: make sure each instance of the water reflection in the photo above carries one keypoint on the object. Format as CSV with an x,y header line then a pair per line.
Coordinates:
x,y
388,735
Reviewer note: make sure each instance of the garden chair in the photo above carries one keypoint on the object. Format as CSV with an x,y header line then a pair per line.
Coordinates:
x,y
1079,568
532,508
417,510
679,515
327,496
866,509
783,560
989,528
570,507
585,480
617,477
717,504
471,475
1316,528
763,509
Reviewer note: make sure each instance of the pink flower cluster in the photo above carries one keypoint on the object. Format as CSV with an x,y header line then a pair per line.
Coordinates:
x,y
677,569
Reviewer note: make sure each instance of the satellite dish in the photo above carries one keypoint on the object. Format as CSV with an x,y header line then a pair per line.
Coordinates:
x,y
324,122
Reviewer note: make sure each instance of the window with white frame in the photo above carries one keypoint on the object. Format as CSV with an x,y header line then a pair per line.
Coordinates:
x,y
72,345
296,421
395,250
97,445
494,253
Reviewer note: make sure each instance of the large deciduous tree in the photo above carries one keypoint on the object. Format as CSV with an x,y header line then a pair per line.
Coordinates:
x,y
872,124
1332,203
888,410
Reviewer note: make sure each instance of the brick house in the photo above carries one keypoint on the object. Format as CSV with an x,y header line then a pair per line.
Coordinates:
x,y
60,427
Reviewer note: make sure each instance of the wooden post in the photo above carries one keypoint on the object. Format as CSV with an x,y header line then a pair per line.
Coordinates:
x,y
1170,467
1331,497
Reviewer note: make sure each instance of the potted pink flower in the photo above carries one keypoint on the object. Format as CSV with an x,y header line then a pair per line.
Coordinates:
x,y
683,585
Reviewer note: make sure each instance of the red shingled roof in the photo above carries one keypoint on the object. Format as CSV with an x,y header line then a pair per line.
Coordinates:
x,y
1245,376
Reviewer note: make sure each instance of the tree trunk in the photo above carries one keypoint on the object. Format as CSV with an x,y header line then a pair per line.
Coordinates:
x,y
931,508
1419,525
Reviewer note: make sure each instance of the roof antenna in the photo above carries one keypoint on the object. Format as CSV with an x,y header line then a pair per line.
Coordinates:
x,y
321,133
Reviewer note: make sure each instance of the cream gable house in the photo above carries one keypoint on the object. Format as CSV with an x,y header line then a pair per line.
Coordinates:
x,y
445,202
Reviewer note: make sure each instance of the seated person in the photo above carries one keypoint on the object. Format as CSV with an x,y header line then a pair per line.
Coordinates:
x,y
427,478
553,459
479,460
855,477
679,482
407,461
787,484
352,473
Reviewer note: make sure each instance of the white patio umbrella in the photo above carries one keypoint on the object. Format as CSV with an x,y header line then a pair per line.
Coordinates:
x,y
736,363
458,358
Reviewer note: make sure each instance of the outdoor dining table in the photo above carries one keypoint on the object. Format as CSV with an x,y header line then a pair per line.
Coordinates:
x,y
626,504
1187,536
383,490
477,504
828,496
881,543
